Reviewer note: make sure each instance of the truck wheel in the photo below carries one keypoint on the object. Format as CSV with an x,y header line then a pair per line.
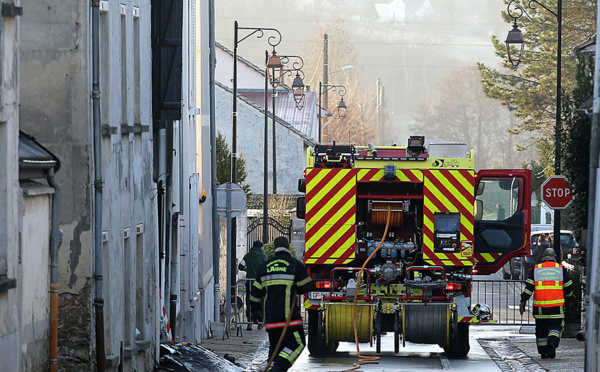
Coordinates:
x,y
316,335
459,344
378,333
315,332
397,332
505,275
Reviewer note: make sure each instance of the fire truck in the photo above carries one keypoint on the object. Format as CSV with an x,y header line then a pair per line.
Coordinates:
x,y
394,235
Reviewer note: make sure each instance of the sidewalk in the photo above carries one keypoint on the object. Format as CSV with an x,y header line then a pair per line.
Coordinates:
x,y
247,352
515,351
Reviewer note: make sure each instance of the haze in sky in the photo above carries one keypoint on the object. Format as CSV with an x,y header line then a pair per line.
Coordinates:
x,y
409,44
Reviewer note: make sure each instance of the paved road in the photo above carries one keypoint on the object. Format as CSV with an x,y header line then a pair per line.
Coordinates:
x,y
413,357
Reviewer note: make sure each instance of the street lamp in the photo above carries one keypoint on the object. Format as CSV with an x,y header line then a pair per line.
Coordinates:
x,y
342,108
275,69
273,41
516,12
515,37
324,88
298,88
296,66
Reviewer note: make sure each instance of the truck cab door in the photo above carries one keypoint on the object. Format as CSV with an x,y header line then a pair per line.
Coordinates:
x,y
502,217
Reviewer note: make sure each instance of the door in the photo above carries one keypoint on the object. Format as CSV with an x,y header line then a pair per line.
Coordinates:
x,y
502,217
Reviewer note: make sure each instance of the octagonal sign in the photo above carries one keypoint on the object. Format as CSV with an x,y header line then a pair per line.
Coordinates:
x,y
557,192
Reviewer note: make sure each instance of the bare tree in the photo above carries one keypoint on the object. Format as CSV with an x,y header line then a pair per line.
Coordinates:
x,y
461,112
360,123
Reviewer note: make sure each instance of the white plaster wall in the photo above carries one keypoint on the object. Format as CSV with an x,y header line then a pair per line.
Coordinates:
x,y
291,153
35,278
248,78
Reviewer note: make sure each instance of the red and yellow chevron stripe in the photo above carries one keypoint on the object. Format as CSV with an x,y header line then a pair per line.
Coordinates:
x,y
330,216
487,257
448,190
376,175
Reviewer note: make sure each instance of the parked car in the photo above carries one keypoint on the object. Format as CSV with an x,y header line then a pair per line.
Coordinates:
x,y
541,226
519,267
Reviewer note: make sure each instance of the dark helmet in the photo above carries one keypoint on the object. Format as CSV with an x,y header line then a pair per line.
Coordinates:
x,y
549,255
281,242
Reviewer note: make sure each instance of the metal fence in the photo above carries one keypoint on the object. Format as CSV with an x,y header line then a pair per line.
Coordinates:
x,y
274,229
503,297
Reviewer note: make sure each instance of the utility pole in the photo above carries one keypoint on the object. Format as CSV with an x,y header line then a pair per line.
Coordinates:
x,y
325,71
379,128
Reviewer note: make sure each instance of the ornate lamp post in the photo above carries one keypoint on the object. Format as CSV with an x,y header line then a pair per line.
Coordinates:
x,y
515,38
273,41
341,108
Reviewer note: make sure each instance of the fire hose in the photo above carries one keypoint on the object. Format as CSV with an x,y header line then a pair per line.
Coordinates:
x,y
365,359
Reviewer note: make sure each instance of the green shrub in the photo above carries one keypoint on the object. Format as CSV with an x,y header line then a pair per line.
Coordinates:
x,y
269,250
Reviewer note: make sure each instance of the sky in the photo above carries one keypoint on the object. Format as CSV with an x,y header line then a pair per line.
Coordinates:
x,y
409,44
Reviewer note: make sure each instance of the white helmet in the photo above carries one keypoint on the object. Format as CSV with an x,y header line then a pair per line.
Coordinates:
x,y
482,312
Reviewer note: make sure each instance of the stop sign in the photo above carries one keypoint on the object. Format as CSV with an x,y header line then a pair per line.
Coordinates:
x,y
557,192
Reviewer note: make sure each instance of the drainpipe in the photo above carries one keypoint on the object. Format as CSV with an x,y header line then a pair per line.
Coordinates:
x,y
213,161
98,300
55,241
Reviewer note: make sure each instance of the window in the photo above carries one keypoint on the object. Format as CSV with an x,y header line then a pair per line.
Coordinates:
x,y
498,198
123,64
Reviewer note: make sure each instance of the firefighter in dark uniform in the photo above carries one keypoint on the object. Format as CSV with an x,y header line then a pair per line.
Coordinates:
x,y
278,280
549,283
250,263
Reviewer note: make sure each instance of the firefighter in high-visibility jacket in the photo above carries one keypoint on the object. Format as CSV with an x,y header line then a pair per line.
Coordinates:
x,y
550,284
278,281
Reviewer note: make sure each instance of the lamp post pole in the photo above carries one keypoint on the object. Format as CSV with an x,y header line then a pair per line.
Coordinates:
x,y
558,129
514,37
265,234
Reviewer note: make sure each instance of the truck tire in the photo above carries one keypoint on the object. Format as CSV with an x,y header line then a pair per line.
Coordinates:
x,y
378,333
316,335
459,343
397,332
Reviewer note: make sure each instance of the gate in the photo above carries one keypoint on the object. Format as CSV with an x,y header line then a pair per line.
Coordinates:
x,y
274,229
503,297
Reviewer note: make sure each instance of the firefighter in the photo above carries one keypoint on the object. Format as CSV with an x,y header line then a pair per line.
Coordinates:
x,y
250,263
549,283
279,280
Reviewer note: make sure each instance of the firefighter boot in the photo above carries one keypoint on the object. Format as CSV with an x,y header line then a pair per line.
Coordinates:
x,y
552,352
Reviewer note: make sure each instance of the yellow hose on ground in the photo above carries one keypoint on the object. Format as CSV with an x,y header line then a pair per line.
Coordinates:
x,y
365,359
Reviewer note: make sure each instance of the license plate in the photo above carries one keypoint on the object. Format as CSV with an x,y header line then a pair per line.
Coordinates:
x,y
320,295
317,295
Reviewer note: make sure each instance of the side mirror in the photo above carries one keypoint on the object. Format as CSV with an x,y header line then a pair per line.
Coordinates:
x,y
301,207
480,189
478,209
302,184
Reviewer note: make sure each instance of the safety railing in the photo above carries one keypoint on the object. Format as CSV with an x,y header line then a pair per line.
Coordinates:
x,y
239,309
503,297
